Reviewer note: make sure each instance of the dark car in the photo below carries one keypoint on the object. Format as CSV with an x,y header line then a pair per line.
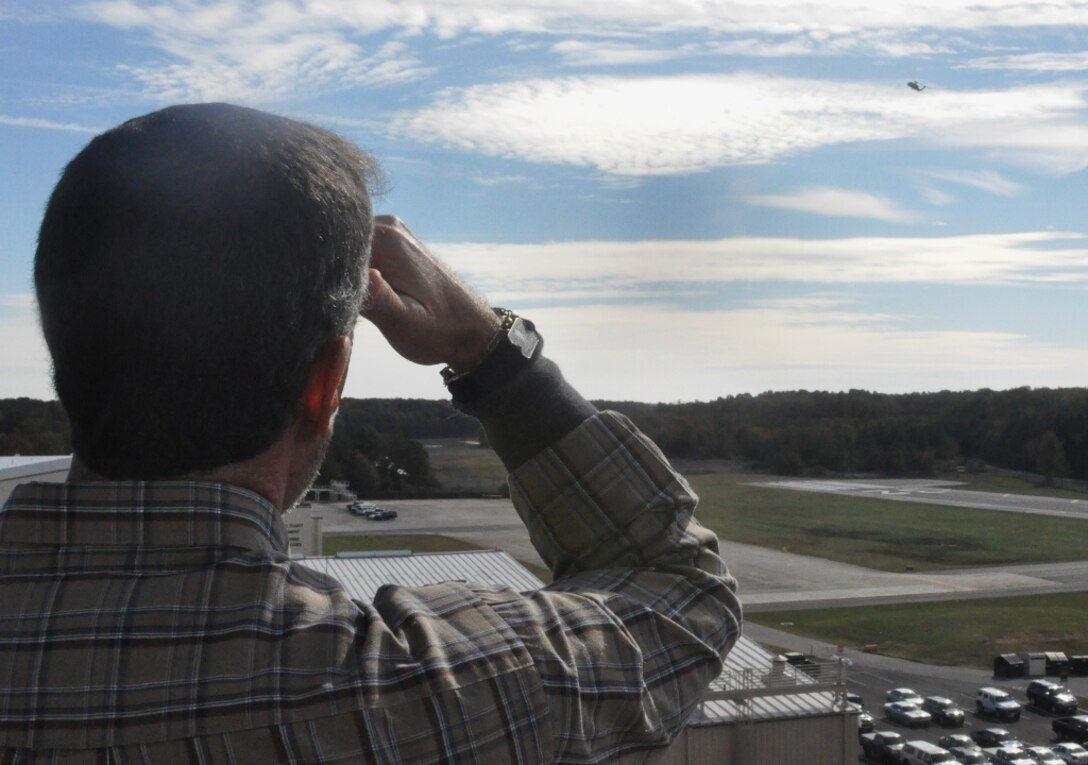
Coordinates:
x,y
950,740
943,711
882,746
1052,697
382,515
1071,728
991,737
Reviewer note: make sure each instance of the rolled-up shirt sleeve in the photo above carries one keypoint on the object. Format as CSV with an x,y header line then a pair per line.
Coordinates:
x,y
642,610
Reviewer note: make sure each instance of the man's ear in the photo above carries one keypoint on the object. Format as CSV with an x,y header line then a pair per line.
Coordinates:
x,y
321,399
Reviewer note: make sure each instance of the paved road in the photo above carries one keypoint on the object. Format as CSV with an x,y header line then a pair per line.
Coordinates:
x,y
940,493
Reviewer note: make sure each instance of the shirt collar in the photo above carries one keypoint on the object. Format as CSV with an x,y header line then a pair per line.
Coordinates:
x,y
141,514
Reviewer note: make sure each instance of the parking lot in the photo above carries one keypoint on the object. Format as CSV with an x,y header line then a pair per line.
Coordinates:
x,y
871,676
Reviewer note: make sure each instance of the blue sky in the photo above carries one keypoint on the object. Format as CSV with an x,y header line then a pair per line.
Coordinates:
x,y
691,199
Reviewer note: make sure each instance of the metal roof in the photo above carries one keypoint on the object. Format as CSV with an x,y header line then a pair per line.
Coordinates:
x,y
18,466
362,576
752,686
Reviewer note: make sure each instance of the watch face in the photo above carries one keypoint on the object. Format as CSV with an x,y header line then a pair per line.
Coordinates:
x,y
523,336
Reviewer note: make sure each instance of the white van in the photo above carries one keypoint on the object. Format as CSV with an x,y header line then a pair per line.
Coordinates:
x,y
924,753
997,703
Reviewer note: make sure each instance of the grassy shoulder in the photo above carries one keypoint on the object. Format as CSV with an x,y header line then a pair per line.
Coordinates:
x,y
1011,484
880,534
961,633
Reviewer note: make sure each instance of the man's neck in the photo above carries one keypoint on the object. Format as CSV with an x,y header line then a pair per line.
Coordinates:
x,y
258,475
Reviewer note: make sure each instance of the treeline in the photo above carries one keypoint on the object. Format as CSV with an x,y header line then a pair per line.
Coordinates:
x,y
372,446
32,427
374,449
1039,430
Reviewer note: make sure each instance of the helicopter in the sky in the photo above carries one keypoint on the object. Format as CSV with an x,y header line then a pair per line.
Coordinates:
x,y
913,85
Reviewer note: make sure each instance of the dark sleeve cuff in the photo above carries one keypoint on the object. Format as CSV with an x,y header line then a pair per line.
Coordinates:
x,y
528,411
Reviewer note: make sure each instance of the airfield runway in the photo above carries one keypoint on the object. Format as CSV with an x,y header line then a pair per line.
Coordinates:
x,y
770,579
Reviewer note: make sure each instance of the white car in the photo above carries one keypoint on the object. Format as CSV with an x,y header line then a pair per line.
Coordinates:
x,y
903,694
1009,756
1071,754
1044,755
907,713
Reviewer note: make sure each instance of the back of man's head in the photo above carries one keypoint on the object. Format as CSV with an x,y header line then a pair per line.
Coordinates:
x,y
190,265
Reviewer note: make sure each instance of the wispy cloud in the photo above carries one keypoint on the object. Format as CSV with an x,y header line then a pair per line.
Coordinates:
x,y
689,123
247,49
1033,62
703,354
505,271
841,203
43,124
985,180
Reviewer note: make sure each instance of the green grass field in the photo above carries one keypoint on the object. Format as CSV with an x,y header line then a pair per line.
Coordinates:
x,y
961,633
460,465
891,536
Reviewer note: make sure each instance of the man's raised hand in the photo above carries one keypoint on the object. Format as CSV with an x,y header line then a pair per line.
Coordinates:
x,y
426,313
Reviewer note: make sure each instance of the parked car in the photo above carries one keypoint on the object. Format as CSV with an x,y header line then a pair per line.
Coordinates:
x,y
993,737
924,753
943,711
882,746
1071,728
362,508
1009,755
1071,754
1052,697
907,713
903,694
382,515
1044,755
950,740
970,755
994,702
866,723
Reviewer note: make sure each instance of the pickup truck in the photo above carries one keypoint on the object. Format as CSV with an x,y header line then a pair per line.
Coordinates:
x,y
1073,728
882,746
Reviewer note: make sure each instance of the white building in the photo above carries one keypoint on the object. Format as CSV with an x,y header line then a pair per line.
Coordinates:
x,y
16,470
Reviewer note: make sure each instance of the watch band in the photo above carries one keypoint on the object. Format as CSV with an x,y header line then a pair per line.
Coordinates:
x,y
512,349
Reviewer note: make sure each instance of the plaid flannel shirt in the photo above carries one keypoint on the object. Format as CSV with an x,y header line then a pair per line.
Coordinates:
x,y
164,622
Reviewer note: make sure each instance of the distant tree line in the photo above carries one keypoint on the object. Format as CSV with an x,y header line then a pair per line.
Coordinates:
x,y
32,427
374,462
1038,430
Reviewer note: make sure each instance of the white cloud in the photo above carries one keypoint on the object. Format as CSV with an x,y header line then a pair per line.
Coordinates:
x,y
607,53
688,123
32,122
986,180
24,364
1049,62
688,355
252,50
841,203
510,272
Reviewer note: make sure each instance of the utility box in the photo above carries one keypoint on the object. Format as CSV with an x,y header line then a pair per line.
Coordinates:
x,y
1008,665
1057,663
1078,665
1034,664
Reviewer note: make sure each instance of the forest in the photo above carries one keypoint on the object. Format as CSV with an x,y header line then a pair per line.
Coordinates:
x,y
1037,430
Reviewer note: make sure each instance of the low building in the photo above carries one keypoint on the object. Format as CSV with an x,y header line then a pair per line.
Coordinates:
x,y
760,710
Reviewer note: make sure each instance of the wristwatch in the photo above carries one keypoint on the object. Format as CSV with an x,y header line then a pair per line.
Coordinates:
x,y
512,349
